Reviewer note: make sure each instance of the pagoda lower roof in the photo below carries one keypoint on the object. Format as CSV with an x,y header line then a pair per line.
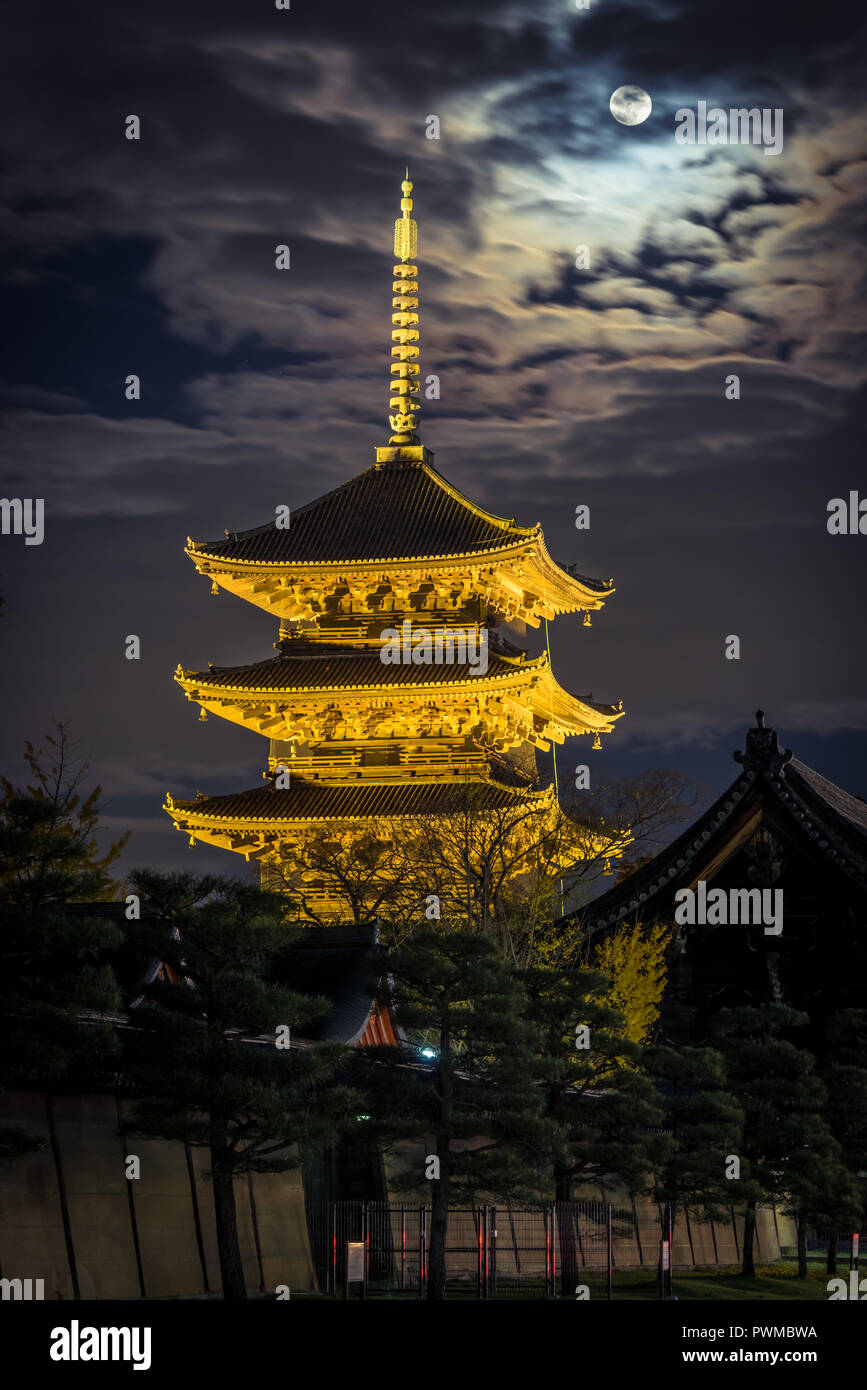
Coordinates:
x,y
315,801
389,511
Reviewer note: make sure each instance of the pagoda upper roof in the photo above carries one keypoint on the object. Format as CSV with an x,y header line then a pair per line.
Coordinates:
x,y
391,511
817,809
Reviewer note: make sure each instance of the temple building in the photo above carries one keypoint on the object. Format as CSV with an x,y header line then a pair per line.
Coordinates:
x,y
395,681
781,838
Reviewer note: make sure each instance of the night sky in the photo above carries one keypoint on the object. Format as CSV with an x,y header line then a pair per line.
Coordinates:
x,y
559,386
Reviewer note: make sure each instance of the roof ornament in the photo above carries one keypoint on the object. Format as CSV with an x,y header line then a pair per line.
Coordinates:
x,y
404,398
404,401
763,752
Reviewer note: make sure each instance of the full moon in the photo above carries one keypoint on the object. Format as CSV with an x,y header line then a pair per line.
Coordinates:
x,y
630,105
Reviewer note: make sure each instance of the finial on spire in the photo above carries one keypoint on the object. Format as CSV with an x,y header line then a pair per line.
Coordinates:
x,y
404,402
404,399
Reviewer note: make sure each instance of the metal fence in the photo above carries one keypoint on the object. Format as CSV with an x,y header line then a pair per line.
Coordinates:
x,y
491,1250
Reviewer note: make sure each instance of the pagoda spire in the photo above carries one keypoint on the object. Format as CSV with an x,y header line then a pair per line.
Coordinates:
x,y
404,400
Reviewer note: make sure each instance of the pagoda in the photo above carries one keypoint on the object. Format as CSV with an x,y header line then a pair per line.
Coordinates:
x,y
395,558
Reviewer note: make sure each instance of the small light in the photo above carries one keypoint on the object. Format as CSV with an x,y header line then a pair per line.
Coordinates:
x,y
428,1052
362,1117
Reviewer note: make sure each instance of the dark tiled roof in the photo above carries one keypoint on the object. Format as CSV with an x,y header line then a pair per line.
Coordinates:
x,y
334,962
847,807
388,511
339,669
822,811
318,800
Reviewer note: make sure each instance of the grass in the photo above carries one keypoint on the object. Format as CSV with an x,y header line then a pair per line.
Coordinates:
x,y
777,1283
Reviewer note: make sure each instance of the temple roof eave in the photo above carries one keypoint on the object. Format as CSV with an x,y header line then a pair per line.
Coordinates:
x,y
529,684
526,563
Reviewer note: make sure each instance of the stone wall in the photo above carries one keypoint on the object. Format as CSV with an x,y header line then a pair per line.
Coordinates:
x,y
68,1214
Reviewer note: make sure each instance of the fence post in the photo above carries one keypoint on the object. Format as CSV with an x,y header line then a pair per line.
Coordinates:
x,y
334,1247
547,1254
422,1249
609,1232
365,1236
479,1238
402,1247
493,1250
661,1268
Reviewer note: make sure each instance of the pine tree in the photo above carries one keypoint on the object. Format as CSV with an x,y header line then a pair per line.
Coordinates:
x,y
455,990
781,1097
704,1125
56,975
49,852
845,1079
207,1047
600,1110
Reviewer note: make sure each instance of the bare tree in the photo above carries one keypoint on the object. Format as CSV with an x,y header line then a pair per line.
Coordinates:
x,y
507,871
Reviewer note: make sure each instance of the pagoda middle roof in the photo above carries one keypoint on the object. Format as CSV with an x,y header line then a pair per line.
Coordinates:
x,y
390,511
338,669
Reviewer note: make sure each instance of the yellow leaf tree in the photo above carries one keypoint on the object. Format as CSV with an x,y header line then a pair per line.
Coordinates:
x,y
634,961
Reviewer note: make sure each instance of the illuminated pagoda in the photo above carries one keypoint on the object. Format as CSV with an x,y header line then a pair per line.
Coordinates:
x,y
397,549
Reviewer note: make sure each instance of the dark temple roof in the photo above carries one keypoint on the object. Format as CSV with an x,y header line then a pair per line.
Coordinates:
x,y
324,801
828,816
849,808
387,512
334,962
